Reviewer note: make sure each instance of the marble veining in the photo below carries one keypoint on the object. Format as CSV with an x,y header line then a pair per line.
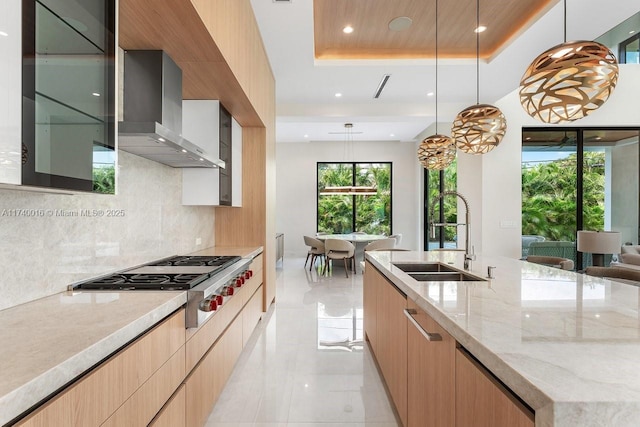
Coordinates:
x,y
567,344
43,253
49,342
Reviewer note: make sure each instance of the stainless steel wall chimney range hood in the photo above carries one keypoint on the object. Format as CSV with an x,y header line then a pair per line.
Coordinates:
x,y
152,112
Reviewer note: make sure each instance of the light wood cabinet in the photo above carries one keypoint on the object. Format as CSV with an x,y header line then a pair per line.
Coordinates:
x,y
174,413
95,397
205,383
481,401
251,315
391,334
431,372
371,286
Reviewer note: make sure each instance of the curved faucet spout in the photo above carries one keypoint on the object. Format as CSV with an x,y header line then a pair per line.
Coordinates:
x,y
468,255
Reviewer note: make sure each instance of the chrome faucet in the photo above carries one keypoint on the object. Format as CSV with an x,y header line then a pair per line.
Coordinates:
x,y
469,255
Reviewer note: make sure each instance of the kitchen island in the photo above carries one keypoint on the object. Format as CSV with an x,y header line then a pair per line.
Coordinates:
x,y
566,344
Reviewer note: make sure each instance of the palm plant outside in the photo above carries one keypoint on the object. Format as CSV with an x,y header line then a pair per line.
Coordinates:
x,y
549,197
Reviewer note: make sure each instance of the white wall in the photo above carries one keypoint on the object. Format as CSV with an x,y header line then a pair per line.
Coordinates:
x,y
296,170
499,170
45,244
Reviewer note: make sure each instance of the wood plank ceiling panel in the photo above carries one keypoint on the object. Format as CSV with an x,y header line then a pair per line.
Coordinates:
x,y
373,39
175,27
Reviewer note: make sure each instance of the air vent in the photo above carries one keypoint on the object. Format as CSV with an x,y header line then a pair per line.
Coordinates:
x,y
282,1
381,85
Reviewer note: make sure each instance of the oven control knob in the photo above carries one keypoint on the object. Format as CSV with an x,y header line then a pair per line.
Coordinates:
x,y
239,281
213,305
230,290
204,305
247,274
219,299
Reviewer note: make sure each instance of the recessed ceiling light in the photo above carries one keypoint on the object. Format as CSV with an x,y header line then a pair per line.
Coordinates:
x,y
348,29
630,32
95,94
400,23
480,29
2,33
598,138
161,139
391,134
184,151
430,94
201,159
528,138
338,95
306,136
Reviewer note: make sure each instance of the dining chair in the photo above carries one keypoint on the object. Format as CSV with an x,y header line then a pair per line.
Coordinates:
x,y
382,244
398,238
317,251
339,249
552,261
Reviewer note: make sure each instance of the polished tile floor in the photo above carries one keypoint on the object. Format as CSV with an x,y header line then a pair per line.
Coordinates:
x,y
306,365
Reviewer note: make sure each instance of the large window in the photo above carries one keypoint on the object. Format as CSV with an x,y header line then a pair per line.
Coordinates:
x,y
577,179
630,50
354,197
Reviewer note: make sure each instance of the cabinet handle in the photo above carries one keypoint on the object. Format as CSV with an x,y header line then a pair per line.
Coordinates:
x,y
409,312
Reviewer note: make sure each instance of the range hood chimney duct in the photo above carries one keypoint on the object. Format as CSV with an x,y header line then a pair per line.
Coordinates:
x,y
152,112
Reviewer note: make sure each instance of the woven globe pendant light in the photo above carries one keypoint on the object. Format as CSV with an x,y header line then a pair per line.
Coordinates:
x,y
568,81
437,152
479,128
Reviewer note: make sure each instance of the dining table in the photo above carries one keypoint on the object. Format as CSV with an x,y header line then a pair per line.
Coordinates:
x,y
354,238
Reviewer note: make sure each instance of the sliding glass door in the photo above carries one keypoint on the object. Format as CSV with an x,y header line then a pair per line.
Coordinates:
x,y
577,179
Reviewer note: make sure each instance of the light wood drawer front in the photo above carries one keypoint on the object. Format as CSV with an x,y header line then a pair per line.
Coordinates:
x,y
251,315
205,383
91,400
207,334
145,403
250,287
174,413
482,401
256,264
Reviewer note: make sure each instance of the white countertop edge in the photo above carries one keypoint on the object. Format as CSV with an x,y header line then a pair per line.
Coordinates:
x,y
528,392
23,398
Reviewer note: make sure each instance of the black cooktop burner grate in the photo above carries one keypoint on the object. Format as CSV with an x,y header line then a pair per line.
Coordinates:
x,y
162,280
190,261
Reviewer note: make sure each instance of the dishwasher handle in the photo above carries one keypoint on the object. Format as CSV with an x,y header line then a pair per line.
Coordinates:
x,y
409,312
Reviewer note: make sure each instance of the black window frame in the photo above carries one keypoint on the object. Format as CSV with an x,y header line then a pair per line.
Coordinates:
x,y
353,182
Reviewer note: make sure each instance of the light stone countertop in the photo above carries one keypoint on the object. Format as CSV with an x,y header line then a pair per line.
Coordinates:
x,y
49,342
567,344
243,251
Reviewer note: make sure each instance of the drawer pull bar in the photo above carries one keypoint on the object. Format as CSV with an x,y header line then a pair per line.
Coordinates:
x,y
409,312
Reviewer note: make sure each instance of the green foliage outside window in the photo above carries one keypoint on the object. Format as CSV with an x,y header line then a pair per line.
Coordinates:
x,y
549,197
372,212
450,202
104,179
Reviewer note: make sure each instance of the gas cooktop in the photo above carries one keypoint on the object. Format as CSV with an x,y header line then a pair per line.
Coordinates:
x,y
174,273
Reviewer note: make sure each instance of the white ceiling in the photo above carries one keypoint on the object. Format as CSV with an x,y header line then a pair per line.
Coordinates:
x,y
305,89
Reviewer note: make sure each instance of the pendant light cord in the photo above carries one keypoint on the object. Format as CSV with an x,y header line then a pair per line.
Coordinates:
x,y
565,21
478,52
436,67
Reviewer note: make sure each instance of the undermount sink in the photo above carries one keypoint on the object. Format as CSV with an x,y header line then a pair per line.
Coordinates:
x,y
445,276
424,267
436,272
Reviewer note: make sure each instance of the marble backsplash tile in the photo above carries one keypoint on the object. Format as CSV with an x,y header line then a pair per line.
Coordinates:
x,y
44,252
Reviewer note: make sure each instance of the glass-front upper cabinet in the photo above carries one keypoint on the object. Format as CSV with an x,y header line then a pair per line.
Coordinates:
x,y
68,91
